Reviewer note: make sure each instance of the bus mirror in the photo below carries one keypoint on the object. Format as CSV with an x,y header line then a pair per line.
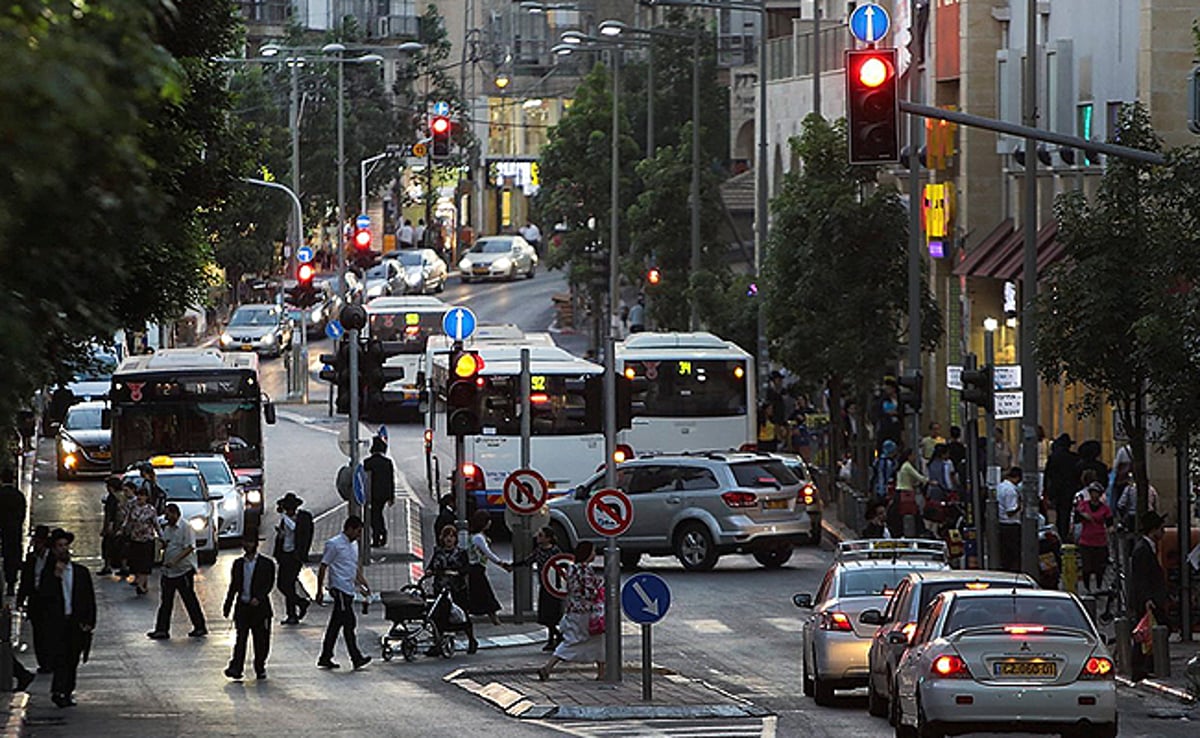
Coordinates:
x,y
106,419
269,412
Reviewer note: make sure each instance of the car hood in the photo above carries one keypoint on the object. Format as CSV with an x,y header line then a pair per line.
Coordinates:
x,y
191,508
481,258
90,389
249,331
84,437
414,271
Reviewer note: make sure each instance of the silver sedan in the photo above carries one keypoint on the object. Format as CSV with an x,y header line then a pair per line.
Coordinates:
x,y
498,257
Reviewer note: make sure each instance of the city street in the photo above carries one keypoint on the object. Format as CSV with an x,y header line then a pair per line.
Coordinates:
x,y
734,627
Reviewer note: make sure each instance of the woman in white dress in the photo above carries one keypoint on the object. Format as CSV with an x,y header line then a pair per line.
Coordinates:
x,y
584,605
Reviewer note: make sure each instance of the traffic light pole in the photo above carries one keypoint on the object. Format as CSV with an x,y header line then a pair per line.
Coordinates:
x,y
522,535
460,482
352,350
914,243
971,433
1029,375
992,550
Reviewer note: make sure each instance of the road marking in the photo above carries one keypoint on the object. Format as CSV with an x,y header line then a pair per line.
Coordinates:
x,y
790,625
734,728
708,626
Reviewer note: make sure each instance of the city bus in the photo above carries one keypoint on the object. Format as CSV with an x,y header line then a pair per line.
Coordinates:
x,y
403,326
691,392
187,401
567,420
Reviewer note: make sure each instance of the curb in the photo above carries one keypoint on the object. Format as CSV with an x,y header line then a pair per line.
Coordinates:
x,y
1160,688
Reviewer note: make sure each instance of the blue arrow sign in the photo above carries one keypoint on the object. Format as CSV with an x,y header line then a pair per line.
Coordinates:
x,y
441,107
458,323
869,23
334,329
360,485
362,221
304,254
645,598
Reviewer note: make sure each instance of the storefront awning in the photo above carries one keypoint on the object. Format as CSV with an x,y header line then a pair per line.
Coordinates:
x,y
1001,255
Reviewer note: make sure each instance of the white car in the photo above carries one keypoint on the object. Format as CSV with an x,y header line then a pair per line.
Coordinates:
x,y
498,257
198,507
237,505
423,270
1027,660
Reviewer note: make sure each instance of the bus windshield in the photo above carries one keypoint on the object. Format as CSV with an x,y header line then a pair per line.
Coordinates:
x,y
688,388
559,406
410,329
230,427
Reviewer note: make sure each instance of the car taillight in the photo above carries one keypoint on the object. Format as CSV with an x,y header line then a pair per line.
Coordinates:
x,y
740,499
949,666
1097,667
623,452
1021,630
472,477
806,495
908,630
836,621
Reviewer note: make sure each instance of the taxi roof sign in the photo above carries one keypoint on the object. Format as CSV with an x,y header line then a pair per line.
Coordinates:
x,y
891,548
162,462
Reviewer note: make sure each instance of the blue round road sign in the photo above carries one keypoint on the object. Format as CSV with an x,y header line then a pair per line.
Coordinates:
x,y
869,23
458,323
362,221
304,254
334,329
645,598
360,485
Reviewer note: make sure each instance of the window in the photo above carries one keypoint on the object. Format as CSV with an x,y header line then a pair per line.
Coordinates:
x,y
1112,119
975,612
648,479
866,582
899,601
926,623
183,487
688,388
1083,126
826,586
559,406
694,478
763,474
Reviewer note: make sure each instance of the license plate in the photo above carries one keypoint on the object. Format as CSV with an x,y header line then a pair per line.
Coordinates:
x,y
247,347
481,270
1026,669
775,504
103,454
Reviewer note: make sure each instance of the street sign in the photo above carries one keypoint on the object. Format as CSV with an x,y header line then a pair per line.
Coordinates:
x,y
362,221
441,107
334,329
1007,377
954,376
304,254
1009,405
360,485
645,598
525,491
554,574
458,323
382,433
869,23
609,512
419,151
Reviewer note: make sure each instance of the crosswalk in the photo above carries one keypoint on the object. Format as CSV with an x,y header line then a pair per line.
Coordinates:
x,y
758,727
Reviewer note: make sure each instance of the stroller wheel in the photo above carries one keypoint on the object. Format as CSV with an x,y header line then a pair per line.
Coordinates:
x,y
447,646
387,653
408,649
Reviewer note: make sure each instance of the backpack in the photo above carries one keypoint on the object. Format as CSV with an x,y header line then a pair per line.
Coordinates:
x,y
304,534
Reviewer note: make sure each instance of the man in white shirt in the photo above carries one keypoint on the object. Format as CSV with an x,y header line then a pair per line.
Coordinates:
x,y
533,235
250,584
1008,503
340,562
405,235
178,575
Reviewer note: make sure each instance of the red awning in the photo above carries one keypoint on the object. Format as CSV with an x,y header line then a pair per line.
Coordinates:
x,y
972,261
1002,254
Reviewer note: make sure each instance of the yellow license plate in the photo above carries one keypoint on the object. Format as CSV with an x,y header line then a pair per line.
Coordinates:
x,y
481,270
1026,669
247,347
103,455
775,504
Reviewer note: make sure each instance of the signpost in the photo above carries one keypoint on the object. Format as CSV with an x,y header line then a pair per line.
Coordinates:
x,y
360,485
1009,405
645,598
869,23
459,323
362,222
554,574
954,376
1007,377
609,512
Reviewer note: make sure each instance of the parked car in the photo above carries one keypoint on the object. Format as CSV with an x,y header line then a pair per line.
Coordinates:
x,y
186,487
84,441
240,510
896,623
266,329
498,257
834,642
423,270
1003,660
697,508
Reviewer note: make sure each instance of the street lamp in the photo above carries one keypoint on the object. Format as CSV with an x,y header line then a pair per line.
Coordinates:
x,y
993,474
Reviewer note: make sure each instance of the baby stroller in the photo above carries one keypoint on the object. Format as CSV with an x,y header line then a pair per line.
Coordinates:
x,y
422,615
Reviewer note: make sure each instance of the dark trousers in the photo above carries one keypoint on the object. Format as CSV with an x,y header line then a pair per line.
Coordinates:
x,y
288,581
1010,547
19,671
1063,508
186,587
251,621
378,527
341,618
69,641
10,549
42,638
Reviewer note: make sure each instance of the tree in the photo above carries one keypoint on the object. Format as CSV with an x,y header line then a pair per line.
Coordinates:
x,y
836,272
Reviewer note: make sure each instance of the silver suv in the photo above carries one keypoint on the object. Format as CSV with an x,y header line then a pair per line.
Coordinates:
x,y
697,507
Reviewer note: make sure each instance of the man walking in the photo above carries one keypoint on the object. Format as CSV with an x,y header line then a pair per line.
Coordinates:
x,y
1147,586
178,575
383,489
340,561
70,612
250,588
405,234
27,595
1008,502
1060,481
12,524
293,539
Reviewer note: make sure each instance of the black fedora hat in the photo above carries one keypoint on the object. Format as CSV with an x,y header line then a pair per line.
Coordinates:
x,y
289,501
1150,521
40,532
58,533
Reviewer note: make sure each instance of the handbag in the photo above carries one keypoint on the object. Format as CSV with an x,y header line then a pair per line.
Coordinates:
x,y
596,621
160,550
1142,634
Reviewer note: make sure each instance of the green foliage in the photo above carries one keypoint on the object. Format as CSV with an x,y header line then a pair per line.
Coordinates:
x,y
836,268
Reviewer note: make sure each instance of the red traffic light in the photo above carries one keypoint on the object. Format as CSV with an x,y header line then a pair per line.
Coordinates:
x,y
873,72
872,106
362,239
654,276
440,125
305,273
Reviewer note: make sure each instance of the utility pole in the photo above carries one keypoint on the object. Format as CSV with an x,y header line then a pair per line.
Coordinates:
x,y
612,554
914,234
994,473
695,316
816,57
1029,376
294,125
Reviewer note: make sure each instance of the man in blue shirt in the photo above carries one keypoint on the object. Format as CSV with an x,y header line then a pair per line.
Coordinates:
x,y
340,563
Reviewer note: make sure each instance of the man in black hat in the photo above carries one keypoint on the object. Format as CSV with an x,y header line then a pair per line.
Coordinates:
x,y
250,588
293,539
31,575
66,593
1147,586
12,523
1060,482
383,488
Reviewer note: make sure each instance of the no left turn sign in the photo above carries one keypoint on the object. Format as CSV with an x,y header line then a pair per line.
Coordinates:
x,y
609,512
554,574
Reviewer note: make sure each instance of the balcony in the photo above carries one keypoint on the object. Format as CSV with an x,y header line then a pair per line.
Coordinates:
x,y
265,12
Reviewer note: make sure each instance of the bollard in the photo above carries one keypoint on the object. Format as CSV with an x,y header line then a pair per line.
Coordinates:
x,y
1123,630
6,654
1161,650
1070,568
1089,604
910,526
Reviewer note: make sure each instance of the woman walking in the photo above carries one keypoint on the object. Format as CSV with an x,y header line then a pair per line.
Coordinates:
x,y
549,610
1095,519
449,569
907,500
583,624
141,528
483,599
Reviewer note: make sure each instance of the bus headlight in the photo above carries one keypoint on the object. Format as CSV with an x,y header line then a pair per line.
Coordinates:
x,y
198,523
254,497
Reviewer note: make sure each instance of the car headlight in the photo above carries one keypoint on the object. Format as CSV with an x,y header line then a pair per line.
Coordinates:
x,y
229,503
413,278
315,315
268,338
69,446
198,523
464,264
254,497
502,263
226,339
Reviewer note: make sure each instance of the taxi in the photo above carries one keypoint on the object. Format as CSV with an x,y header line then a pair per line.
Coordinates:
x,y
185,486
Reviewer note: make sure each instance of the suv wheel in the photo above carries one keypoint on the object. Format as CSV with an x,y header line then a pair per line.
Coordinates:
x,y
695,548
876,705
773,556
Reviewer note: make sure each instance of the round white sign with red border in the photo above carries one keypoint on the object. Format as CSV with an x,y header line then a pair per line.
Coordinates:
x,y
525,491
609,512
554,574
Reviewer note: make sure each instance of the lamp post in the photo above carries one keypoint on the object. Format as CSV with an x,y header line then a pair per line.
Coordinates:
x,y
992,547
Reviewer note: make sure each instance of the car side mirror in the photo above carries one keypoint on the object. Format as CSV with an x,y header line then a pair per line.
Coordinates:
x,y
897,638
269,412
871,617
581,493
244,481
803,599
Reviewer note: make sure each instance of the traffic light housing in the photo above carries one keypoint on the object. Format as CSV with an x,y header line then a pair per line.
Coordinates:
x,y
336,370
462,394
1193,122
440,130
978,385
304,295
911,387
873,106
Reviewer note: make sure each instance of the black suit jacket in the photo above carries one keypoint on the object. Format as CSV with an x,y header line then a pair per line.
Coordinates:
x,y
1147,582
27,590
83,599
383,479
260,585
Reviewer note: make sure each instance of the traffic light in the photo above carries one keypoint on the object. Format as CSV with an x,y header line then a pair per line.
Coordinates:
x,y
336,370
362,240
462,396
653,277
978,385
440,129
911,386
873,106
304,295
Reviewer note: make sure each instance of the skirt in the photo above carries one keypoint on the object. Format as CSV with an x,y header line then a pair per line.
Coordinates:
x,y
549,608
483,599
140,555
577,643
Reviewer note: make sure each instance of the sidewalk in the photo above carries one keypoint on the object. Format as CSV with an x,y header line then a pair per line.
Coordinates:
x,y
12,720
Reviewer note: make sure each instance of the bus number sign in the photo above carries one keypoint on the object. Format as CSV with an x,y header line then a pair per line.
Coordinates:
x,y
537,383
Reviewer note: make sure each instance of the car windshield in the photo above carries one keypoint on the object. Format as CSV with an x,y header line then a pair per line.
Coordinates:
x,y
214,471
873,581
763,474
182,487
409,258
254,316
492,246
80,418
972,612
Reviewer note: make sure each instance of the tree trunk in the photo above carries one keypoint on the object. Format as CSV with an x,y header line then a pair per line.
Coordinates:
x,y
1137,447
835,428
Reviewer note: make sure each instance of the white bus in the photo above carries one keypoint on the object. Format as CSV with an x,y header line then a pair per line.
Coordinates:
x,y
567,442
403,326
691,392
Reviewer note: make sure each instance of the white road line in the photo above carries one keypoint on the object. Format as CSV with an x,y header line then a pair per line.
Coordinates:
x,y
791,625
708,626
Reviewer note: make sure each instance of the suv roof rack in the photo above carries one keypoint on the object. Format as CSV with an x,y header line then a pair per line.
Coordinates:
x,y
891,548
